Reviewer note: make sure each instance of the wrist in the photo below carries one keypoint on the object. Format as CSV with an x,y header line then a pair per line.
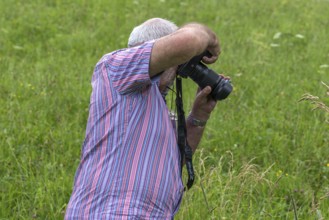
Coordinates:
x,y
196,121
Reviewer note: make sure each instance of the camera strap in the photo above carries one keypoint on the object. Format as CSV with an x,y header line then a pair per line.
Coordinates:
x,y
185,150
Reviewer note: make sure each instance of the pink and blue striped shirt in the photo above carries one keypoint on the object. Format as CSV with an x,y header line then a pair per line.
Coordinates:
x,y
130,161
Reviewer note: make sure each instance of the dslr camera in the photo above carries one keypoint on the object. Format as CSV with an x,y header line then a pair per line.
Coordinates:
x,y
203,76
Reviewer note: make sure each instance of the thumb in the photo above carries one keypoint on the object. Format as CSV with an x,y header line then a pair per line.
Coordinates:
x,y
205,92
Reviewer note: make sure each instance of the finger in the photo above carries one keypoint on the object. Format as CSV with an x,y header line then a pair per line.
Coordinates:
x,y
225,77
209,60
204,92
212,56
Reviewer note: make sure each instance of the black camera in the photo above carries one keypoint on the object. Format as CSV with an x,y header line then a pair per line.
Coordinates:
x,y
203,76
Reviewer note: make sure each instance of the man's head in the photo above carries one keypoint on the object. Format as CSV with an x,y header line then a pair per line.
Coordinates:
x,y
151,29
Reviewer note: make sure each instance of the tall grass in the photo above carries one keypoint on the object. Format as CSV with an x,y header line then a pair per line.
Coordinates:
x,y
316,101
264,155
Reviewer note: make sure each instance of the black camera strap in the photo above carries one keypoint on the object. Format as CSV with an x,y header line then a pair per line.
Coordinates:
x,y
185,149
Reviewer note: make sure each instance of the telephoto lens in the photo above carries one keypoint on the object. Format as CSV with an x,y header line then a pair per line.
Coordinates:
x,y
204,76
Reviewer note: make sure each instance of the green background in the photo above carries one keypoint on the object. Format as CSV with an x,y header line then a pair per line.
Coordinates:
x,y
264,155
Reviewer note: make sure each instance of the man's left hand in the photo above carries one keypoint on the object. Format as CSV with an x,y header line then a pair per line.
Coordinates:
x,y
203,105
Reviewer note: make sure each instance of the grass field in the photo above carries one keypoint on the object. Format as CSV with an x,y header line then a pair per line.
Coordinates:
x,y
264,154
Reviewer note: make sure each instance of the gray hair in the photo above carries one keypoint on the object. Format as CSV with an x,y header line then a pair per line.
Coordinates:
x,y
150,30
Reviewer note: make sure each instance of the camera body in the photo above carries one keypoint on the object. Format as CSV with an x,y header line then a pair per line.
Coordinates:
x,y
204,76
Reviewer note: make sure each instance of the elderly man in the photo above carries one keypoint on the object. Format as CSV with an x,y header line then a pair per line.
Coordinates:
x,y
130,161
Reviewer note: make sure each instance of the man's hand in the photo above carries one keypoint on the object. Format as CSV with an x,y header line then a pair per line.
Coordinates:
x,y
214,49
203,105
201,110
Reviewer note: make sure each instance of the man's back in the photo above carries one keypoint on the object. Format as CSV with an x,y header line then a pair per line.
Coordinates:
x,y
130,163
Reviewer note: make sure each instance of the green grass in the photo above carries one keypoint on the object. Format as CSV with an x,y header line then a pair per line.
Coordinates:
x,y
264,154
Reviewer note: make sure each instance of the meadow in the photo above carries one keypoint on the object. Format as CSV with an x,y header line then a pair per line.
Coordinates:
x,y
264,155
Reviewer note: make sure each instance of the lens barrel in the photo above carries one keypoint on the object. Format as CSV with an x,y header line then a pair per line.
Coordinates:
x,y
205,76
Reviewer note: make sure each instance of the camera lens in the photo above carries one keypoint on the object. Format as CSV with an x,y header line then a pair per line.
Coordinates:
x,y
204,76
222,89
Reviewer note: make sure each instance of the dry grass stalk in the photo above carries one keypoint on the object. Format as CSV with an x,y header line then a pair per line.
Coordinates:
x,y
316,101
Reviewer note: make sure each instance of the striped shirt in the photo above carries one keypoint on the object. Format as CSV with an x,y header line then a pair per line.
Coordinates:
x,y
130,161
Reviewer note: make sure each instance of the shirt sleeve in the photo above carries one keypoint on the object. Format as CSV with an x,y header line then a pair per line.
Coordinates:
x,y
128,69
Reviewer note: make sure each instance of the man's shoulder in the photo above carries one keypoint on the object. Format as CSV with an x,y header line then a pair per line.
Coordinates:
x,y
107,56
126,53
